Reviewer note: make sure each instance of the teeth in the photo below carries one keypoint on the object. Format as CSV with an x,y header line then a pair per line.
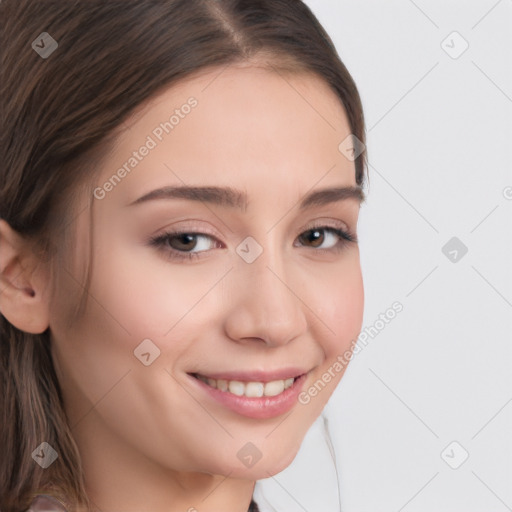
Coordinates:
x,y
249,389
255,389
274,388
236,387
222,384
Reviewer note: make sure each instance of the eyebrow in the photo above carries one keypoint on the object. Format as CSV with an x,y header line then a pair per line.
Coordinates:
x,y
230,197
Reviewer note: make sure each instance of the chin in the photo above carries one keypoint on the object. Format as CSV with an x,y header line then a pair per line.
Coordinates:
x,y
265,467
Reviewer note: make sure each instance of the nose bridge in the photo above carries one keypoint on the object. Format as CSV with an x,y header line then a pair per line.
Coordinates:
x,y
265,279
265,305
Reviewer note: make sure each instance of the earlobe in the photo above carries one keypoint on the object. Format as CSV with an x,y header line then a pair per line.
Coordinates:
x,y
23,283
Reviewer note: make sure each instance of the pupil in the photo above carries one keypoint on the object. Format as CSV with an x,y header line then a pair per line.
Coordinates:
x,y
315,236
186,239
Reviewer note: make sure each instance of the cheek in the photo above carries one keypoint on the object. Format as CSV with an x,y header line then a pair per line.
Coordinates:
x,y
339,309
349,315
148,294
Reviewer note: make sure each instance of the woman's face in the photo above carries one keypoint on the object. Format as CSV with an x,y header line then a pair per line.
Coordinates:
x,y
258,288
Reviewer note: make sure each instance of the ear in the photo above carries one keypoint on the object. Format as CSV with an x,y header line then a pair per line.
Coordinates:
x,y
23,283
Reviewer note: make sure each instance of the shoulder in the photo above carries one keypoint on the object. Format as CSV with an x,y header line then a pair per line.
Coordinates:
x,y
44,503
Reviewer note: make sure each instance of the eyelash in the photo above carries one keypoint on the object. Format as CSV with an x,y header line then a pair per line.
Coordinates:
x,y
160,241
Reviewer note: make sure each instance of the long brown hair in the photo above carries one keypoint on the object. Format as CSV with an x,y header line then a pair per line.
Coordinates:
x,y
59,115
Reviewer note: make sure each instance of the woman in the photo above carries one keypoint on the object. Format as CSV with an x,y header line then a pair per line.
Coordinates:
x,y
178,250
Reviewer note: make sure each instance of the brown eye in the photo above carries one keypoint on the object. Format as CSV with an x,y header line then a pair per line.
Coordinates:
x,y
313,236
184,241
318,236
184,244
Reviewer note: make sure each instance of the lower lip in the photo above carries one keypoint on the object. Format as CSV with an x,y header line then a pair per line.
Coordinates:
x,y
256,407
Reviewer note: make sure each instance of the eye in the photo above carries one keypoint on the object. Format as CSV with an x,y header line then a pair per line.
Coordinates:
x,y
336,238
179,245
190,245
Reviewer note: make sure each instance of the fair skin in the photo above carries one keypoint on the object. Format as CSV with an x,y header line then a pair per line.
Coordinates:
x,y
149,438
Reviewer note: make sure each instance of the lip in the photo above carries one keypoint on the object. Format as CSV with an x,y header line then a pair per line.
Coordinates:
x,y
257,375
258,408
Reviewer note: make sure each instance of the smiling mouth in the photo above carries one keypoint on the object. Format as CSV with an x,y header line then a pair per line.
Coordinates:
x,y
250,389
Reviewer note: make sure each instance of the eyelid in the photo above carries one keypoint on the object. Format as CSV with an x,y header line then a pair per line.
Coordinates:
x,y
331,223
325,222
198,229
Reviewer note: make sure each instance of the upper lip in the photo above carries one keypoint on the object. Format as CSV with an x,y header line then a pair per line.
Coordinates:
x,y
255,375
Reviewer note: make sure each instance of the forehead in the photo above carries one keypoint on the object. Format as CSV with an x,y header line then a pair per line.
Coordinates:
x,y
241,125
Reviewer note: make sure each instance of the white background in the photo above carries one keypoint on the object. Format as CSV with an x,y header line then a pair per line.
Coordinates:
x,y
439,145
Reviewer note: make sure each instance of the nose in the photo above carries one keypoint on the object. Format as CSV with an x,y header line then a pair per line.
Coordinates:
x,y
265,303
